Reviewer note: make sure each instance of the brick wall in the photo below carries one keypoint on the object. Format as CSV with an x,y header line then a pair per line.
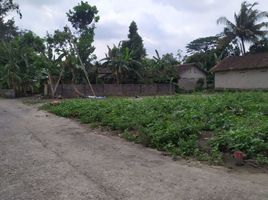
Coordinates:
x,y
67,91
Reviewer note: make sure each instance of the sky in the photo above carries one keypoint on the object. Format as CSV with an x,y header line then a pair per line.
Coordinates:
x,y
165,25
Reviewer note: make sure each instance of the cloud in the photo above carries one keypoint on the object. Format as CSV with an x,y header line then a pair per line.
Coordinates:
x,y
166,25
110,30
36,2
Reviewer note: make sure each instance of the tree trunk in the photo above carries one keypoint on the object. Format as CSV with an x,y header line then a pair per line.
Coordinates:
x,y
74,47
243,46
54,88
51,86
117,78
80,94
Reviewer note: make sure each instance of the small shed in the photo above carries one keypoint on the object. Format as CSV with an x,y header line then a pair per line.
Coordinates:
x,y
191,77
242,72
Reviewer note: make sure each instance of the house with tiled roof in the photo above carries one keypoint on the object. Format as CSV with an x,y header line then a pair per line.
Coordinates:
x,y
191,77
242,72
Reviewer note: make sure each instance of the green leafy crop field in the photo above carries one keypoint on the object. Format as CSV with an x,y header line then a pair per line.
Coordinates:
x,y
197,125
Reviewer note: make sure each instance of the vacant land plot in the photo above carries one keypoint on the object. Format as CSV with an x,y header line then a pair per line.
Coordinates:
x,y
206,127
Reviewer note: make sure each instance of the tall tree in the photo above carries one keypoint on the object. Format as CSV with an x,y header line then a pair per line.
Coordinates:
x,y
134,43
83,18
210,50
56,51
30,47
248,25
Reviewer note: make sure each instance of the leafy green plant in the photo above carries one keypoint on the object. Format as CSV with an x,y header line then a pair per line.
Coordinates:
x,y
174,124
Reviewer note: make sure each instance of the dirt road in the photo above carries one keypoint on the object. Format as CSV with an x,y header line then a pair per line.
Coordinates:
x,y
44,157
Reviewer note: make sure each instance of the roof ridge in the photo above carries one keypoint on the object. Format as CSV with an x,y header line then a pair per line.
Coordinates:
x,y
249,61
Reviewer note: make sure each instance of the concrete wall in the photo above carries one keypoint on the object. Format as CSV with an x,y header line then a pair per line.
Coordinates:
x,y
67,91
188,79
243,79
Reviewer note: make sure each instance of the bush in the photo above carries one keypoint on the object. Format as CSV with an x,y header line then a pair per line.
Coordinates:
x,y
200,84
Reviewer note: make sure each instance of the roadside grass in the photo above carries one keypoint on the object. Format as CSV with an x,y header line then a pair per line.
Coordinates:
x,y
201,126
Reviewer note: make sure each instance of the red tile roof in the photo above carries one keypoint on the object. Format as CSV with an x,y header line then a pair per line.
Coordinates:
x,y
254,61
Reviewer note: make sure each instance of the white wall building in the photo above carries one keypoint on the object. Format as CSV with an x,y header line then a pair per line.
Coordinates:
x,y
243,73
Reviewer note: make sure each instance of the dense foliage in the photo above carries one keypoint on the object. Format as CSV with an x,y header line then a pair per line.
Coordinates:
x,y
161,69
124,68
18,61
27,61
236,122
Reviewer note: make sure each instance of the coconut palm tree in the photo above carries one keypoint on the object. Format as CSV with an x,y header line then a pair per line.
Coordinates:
x,y
248,27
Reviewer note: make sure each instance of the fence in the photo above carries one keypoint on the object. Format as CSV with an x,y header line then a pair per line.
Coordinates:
x,y
67,91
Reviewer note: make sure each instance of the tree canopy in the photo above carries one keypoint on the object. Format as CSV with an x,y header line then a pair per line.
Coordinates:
x,y
134,43
201,45
83,16
7,27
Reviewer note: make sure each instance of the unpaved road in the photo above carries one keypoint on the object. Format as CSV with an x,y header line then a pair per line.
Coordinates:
x,y
44,157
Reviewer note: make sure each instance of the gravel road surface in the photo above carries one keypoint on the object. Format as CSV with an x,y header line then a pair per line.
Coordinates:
x,y
44,157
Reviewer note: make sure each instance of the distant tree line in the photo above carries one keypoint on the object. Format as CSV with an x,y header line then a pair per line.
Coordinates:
x,y
28,61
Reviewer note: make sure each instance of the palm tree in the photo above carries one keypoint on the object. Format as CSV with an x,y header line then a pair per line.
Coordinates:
x,y
248,26
165,67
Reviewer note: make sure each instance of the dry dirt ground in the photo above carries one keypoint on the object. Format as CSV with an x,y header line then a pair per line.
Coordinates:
x,y
44,157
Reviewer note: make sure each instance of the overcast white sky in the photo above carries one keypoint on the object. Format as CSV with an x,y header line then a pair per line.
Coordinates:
x,y
166,25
